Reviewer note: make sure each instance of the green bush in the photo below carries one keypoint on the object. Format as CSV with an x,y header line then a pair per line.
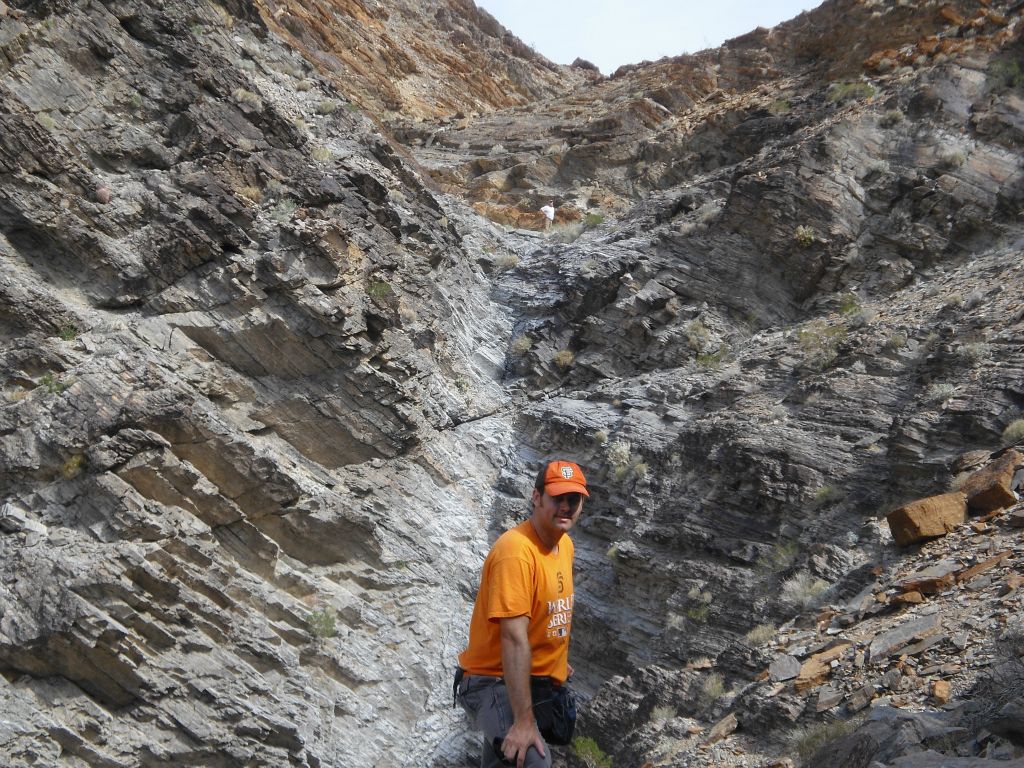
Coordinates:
x,y
246,97
712,689
761,634
1014,432
807,742
327,107
804,236
779,557
819,343
563,359
1005,73
379,289
507,261
840,93
891,118
68,332
589,753
52,385
848,303
322,623
713,359
779,107
828,495
593,220
521,345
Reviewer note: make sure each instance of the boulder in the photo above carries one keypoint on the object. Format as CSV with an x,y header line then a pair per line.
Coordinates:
x,y
927,518
991,487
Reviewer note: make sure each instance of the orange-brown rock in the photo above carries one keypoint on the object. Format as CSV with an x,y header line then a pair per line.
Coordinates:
x,y
940,691
913,597
816,669
988,489
951,15
969,573
927,518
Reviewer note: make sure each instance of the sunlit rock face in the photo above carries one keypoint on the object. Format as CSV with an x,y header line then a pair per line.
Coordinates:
x,y
284,339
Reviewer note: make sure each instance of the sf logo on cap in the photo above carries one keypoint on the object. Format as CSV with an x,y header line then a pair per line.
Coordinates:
x,y
567,473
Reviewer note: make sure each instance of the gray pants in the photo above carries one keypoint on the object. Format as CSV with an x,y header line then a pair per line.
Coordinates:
x,y
486,702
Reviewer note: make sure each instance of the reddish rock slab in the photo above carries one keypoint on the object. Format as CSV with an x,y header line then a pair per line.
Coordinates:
x,y
927,518
988,489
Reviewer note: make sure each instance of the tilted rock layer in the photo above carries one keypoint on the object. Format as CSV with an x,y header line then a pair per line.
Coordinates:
x,y
271,384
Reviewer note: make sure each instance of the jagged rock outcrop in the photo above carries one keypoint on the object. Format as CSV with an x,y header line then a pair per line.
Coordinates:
x,y
271,384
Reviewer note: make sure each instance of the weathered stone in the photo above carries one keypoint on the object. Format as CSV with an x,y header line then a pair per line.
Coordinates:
x,y
887,643
940,691
828,697
784,667
927,518
933,579
722,728
990,488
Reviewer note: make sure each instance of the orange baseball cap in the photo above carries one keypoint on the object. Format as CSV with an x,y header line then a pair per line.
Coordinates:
x,y
564,477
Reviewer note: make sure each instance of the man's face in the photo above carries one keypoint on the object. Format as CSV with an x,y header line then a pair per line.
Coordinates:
x,y
555,515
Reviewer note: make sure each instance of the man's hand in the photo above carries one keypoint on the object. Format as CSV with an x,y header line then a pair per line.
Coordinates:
x,y
520,737
516,657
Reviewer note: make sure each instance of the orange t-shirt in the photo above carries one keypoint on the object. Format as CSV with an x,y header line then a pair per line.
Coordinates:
x,y
521,577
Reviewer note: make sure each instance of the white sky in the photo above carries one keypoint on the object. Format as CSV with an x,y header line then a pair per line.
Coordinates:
x,y
610,33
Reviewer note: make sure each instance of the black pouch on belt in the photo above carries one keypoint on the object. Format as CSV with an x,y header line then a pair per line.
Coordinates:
x,y
554,709
459,674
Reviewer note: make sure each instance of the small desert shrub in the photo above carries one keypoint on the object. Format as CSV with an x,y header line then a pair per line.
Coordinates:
x,y
779,107
589,753
275,187
46,121
975,352
640,470
618,453
697,335
283,211
1014,432
600,437
802,589
72,468
697,613
322,623
322,154
939,393
761,634
68,332
712,359
593,220
379,289
828,495
507,261
662,713
804,235
891,118
247,65
819,343
1005,73
304,85
712,689
840,93
566,233
806,742
848,303
896,341
246,97
779,557
327,107
563,359
521,345
52,384
958,482
612,552
135,102
498,149
952,159
252,193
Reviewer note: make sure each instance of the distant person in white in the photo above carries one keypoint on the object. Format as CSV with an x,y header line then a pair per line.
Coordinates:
x,y
549,213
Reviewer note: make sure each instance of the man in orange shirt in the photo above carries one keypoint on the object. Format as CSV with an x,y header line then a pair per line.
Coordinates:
x,y
521,621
